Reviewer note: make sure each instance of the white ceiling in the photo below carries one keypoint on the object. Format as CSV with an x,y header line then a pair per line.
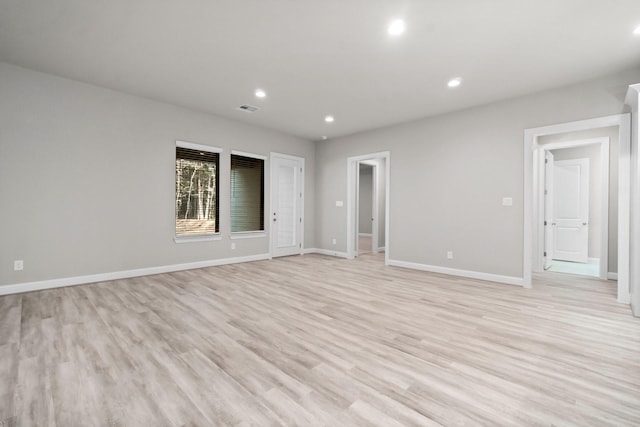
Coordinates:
x,y
322,57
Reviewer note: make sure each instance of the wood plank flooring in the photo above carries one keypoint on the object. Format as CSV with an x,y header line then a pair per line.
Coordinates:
x,y
315,340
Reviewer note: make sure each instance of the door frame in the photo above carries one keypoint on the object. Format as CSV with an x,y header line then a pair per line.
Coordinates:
x,y
374,208
532,158
604,143
352,181
272,155
548,210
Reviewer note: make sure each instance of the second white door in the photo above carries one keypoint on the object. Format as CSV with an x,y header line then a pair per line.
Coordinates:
x,y
571,210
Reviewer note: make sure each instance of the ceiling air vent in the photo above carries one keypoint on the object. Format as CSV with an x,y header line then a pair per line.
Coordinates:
x,y
248,108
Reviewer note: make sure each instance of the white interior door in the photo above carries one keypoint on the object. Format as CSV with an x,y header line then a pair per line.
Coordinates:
x,y
548,209
287,197
571,210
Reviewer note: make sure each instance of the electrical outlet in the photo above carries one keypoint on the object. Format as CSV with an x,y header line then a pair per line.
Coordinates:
x,y
233,245
18,265
334,241
449,255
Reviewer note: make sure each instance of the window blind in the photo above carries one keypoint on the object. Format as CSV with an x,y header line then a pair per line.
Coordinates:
x,y
247,194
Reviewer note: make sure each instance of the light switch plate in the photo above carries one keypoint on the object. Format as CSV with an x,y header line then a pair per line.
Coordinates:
x,y
339,203
507,201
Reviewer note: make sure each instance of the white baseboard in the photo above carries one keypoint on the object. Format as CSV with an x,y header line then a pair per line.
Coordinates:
x,y
612,276
365,234
509,280
116,275
382,248
324,252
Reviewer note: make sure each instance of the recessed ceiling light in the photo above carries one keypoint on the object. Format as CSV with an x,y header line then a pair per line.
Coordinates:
x,y
324,138
329,119
637,31
454,82
260,93
396,28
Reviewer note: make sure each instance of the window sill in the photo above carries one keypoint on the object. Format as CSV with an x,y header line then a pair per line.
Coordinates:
x,y
193,239
248,235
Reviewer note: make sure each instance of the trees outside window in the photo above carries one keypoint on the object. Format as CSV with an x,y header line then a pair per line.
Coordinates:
x,y
197,191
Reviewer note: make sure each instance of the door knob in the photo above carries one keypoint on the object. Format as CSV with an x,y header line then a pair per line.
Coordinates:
x,y
584,223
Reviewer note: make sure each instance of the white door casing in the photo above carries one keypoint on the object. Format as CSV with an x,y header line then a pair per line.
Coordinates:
x,y
548,209
357,211
571,210
352,200
374,207
533,236
374,210
287,198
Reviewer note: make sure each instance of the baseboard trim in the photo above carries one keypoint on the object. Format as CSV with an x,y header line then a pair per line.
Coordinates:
x,y
612,276
509,280
365,234
324,252
117,275
382,248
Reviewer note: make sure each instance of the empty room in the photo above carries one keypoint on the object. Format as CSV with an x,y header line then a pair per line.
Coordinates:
x,y
319,213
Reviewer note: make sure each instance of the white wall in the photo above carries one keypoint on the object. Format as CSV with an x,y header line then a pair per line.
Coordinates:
x,y
592,153
449,174
365,196
87,178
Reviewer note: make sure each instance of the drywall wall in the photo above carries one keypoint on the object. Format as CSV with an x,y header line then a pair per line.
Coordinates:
x,y
449,174
87,178
592,153
365,199
612,134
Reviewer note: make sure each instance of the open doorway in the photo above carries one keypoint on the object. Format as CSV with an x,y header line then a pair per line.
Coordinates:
x,y
617,254
368,205
577,204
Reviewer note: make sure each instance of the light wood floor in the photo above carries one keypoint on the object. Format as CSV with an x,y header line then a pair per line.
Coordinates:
x,y
315,340
364,245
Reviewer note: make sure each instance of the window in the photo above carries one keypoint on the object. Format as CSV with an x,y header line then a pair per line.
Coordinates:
x,y
197,190
247,193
